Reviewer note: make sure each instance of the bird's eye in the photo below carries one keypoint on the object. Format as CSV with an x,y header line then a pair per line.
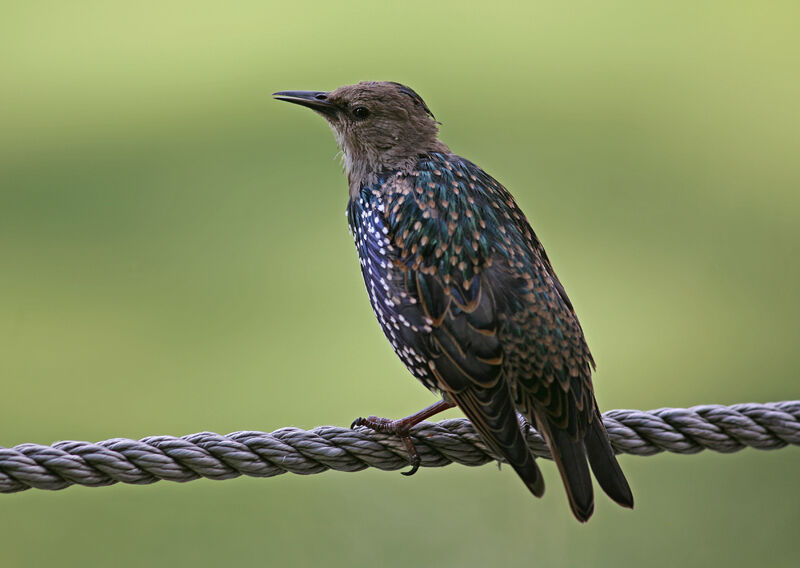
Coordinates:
x,y
361,112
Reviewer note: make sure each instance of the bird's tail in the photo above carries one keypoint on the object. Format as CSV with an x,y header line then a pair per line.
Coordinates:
x,y
570,457
492,413
604,464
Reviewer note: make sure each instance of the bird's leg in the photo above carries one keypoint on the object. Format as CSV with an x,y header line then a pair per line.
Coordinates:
x,y
401,428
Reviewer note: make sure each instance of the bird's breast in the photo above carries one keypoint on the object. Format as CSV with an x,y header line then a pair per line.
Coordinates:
x,y
386,280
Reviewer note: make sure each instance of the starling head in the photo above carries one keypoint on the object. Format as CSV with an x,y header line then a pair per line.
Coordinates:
x,y
379,126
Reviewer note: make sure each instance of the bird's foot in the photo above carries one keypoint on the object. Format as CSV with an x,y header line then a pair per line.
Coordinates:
x,y
401,428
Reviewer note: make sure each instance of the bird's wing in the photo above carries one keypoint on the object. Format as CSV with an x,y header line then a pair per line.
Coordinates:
x,y
546,360
476,233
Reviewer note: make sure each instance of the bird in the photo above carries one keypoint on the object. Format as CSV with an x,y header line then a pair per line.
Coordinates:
x,y
465,292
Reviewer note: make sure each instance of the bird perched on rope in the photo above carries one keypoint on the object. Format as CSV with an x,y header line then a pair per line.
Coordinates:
x,y
464,291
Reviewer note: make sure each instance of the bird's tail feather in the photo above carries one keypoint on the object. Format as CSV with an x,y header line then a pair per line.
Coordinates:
x,y
491,412
604,464
530,474
570,457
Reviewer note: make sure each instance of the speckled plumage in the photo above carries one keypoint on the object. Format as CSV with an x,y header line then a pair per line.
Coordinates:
x,y
456,276
468,299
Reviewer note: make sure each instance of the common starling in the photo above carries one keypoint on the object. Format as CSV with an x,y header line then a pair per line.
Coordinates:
x,y
464,291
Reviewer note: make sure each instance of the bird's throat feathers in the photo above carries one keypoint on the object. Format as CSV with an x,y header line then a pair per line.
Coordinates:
x,y
363,163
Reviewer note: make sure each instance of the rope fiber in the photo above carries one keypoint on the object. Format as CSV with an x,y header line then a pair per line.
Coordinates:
x,y
258,454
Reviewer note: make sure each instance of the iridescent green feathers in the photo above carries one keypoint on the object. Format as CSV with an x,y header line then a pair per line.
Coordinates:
x,y
469,300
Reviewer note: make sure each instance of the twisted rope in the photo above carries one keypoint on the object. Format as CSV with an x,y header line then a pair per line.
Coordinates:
x,y
258,454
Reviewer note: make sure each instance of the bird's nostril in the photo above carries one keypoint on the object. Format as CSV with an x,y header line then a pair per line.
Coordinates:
x,y
321,97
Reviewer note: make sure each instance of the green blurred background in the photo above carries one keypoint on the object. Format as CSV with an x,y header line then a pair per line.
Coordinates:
x,y
174,257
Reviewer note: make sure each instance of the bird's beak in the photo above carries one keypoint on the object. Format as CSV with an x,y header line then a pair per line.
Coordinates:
x,y
315,100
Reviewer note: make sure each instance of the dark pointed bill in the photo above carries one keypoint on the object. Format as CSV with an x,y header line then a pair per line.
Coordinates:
x,y
316,100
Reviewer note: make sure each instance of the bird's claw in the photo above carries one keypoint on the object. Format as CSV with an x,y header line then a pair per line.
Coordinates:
x,y
412,471
413,455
